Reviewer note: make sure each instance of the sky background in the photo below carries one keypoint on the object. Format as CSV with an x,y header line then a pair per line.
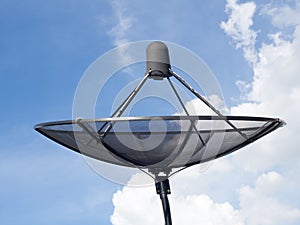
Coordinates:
x,y
252,47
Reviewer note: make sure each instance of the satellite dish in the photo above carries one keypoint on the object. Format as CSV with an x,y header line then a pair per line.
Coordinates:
x,y
160,146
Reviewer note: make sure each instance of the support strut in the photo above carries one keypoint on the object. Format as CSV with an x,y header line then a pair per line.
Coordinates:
x,y
163,189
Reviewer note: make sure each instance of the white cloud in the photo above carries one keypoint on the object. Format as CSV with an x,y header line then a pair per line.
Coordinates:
x,y
124,23
238,27
260,206
257,205
244,88
142,206
119,33
197,107
136,206
274,92
200,209
283,16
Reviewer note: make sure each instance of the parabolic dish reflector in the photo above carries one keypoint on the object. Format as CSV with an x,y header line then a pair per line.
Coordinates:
x,y
158,142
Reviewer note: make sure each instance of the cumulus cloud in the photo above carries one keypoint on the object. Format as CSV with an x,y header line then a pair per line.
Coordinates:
x,y
257,205
200,209
136,206
142,206
192,209
275,91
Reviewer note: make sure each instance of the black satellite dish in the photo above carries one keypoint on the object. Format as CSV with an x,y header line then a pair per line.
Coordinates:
x,y
178,143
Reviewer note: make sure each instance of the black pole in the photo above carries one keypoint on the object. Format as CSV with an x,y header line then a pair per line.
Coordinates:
x,y
163,189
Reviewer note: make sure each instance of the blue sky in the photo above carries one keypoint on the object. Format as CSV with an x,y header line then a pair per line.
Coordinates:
x,y
45,47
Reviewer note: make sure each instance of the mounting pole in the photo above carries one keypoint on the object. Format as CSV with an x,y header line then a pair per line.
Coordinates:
x,y
163,189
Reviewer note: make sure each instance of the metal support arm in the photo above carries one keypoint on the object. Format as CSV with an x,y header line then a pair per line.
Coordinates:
x,y
124,105
184,83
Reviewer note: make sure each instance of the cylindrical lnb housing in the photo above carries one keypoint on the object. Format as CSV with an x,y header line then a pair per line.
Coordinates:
x,y
157,60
